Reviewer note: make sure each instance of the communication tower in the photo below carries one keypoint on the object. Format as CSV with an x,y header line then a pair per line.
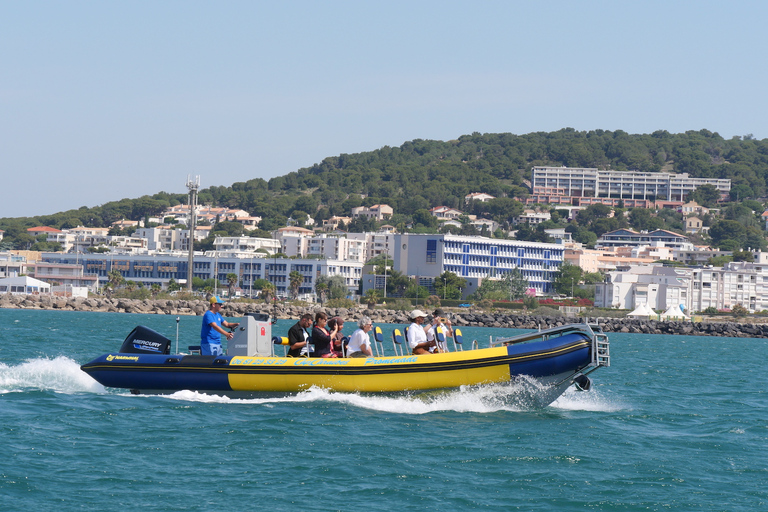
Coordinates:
x,y
193,185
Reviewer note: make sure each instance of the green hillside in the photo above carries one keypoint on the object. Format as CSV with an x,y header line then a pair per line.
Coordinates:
x,y
421,174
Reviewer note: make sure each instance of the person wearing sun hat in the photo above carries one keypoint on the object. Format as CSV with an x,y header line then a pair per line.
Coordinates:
x,y
213,328
417,333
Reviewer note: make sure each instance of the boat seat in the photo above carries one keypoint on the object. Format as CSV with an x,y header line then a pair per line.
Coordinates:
x,y
280,340
378,338
194,349
397,341
458,339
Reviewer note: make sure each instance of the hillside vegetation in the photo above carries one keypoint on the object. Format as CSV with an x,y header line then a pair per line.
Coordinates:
x,y
421,174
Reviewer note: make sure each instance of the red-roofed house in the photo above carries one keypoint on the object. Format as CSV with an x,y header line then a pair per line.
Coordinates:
x,y
42,229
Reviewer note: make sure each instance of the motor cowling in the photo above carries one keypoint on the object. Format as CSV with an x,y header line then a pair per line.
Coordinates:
x,y
143,340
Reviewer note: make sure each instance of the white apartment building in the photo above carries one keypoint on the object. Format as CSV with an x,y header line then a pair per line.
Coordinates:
x,y
163,239
735,283
587,182
657,286
245,244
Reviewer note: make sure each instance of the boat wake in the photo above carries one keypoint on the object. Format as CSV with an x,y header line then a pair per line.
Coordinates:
x,y
524,394
60,374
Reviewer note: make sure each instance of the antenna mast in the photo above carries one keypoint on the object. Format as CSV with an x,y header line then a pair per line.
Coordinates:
x,y
193,185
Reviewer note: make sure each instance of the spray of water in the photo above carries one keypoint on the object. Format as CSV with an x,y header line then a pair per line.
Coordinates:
x,y
60,374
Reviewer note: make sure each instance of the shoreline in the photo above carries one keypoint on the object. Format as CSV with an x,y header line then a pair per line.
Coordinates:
x,y
460,319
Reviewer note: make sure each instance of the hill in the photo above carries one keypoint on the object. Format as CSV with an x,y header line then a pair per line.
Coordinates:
x,y
421,174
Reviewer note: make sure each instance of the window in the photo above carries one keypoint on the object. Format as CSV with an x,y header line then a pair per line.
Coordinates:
x,y
431,251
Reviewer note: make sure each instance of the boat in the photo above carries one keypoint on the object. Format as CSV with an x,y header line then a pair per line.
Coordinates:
x,y
554,359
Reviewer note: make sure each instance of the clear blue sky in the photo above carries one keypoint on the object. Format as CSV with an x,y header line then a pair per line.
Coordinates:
x,y
105,100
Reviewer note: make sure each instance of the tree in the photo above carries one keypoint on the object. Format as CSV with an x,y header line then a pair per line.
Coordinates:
x,y
516,283
566,278
705,195
372,297
321,288
232,280
268,292
449,286
295,280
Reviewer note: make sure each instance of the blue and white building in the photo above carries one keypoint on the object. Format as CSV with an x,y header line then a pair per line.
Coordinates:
x,y
473,258
161,268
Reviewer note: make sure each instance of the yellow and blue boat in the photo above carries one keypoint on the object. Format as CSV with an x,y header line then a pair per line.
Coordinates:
x,y
556,358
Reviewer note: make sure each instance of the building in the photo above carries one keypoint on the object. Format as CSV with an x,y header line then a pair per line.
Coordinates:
x,y
246,244
64,275
23,285
377,212
161,268
532,217
576,183
694,225
657,286
742,283
473,258
12,265
334,222
445,213
629,238
478,196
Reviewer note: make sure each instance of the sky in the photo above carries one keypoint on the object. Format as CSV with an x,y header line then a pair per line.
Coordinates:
x,y
101,101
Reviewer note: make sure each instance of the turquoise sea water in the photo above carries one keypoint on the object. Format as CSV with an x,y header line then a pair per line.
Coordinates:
x,y
676,423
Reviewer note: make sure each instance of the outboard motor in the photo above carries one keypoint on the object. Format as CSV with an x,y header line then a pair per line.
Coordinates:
x,y
143,340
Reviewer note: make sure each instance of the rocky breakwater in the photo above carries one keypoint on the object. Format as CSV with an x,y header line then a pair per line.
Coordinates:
x,y
460,318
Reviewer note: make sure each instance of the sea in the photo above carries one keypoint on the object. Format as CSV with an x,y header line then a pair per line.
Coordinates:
x,y
675,423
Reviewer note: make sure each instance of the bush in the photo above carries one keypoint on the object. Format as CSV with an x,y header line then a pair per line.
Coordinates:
x,y
432,301
340,303
739,311
710,311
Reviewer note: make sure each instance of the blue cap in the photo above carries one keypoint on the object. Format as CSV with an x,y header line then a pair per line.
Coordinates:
x,y
216,300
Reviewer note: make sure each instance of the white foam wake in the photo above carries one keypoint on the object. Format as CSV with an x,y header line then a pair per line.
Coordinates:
x,y
522,395
60,374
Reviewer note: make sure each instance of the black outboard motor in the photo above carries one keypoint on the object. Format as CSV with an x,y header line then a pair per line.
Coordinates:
x,y
144,340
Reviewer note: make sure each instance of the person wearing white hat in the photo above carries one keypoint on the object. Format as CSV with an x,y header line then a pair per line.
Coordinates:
x,y
417,333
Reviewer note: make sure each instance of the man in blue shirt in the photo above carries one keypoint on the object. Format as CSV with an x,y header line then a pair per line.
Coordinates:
x,y
213,328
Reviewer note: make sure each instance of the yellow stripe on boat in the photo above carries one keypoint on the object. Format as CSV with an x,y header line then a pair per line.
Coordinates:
x,y
379,374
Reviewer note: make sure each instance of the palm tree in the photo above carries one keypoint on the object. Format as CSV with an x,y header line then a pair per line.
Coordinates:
x,y
372,297
296,279
321,288
267,292
156,289
232,280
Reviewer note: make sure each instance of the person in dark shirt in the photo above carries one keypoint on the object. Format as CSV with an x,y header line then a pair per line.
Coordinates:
x,y
322,339
298,336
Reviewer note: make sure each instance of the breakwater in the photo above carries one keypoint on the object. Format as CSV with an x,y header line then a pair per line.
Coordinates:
x,y
460,318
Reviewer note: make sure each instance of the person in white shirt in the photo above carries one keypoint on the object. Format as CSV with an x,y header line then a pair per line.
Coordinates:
x,y
417,334
360,342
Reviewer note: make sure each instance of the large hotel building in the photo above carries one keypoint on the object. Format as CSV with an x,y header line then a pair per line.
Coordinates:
x,y
584,186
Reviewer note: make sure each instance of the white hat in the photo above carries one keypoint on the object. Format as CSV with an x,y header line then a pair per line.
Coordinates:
x,y
417,313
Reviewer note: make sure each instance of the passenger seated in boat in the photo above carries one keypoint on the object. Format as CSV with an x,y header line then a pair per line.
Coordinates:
x,y
298,336
338,347
360,342
321,337
440,316
417,334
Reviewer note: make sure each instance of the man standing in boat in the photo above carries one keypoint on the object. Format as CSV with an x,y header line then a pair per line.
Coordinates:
x,y
213,328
